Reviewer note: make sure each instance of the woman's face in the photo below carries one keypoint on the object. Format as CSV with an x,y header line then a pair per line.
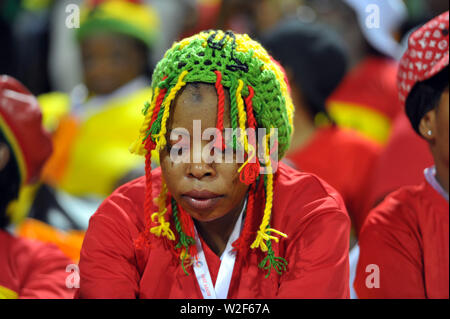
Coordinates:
x,y
442,128
207,191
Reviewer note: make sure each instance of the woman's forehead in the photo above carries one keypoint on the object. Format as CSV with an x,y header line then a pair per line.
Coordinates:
x,y
198,101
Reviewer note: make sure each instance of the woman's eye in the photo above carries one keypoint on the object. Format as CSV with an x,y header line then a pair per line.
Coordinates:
x,y
178,149
216,151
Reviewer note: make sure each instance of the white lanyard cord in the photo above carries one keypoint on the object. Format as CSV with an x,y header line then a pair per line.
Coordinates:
x,y
228,258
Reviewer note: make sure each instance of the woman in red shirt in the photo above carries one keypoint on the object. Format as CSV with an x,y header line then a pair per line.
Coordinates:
x,y
404,243
246,228
28,269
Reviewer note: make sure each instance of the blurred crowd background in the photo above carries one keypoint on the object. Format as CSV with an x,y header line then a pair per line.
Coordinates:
x,y
39,50
92,89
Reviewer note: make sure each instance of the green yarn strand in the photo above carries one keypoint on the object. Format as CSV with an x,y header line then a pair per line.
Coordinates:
x,y
184,240
273,262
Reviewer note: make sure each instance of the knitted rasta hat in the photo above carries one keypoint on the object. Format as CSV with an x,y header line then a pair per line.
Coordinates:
x,y
259,98
125,17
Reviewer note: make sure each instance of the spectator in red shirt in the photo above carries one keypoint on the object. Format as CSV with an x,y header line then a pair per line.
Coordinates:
x,y
28,269
404,243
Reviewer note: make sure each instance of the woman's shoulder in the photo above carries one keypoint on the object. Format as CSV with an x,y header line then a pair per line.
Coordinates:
x,y
303,185
18,245
29,258
406,207
300,194
125,206
132,193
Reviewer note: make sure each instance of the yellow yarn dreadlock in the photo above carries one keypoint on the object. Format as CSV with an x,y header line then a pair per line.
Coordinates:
x,y
264,230
164,227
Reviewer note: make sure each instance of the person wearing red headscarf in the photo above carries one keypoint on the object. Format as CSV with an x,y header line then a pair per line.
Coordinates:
x,y
404,242
28,269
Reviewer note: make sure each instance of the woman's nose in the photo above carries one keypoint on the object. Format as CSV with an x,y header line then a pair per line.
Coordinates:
x,y
200,170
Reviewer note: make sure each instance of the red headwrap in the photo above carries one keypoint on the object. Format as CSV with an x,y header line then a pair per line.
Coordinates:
x,y
427,54
21,124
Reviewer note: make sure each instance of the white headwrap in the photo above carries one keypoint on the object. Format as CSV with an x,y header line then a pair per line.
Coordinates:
x,y
378,19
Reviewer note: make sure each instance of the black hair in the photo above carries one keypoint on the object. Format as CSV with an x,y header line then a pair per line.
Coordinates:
x,y
316,56
425,96
9,183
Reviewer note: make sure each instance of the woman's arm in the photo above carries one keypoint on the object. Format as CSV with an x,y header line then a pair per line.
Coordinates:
x,y
108,263
318,258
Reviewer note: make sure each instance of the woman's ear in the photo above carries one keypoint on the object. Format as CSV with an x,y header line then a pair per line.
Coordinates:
x,y
4,155
427,125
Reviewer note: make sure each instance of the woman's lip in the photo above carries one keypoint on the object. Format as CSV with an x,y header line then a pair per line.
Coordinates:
x,y
201,200
201,204
201,194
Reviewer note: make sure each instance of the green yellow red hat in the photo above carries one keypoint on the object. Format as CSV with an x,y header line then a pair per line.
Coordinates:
x,y
259,98
127,17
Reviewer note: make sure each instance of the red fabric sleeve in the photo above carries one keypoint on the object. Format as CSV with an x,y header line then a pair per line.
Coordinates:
x,y
46,274
108,267
318,259
393,245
